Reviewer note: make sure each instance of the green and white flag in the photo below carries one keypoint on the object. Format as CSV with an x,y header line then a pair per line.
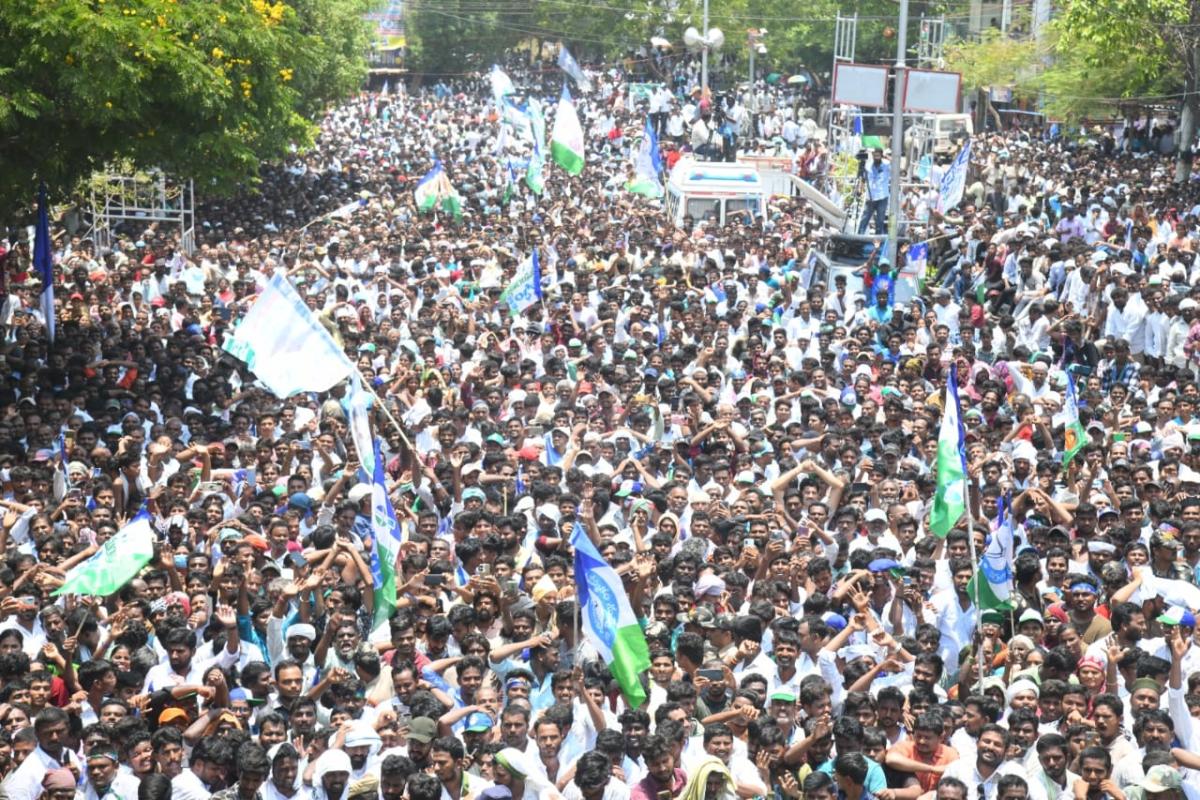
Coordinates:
x,y
116,563
434,192
1075,438
950,496
566,141
990,587
609,623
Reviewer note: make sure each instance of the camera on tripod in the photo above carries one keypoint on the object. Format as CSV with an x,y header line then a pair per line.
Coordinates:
x,y
861,157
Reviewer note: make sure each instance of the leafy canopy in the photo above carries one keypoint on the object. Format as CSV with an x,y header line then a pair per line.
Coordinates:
x,y
206,89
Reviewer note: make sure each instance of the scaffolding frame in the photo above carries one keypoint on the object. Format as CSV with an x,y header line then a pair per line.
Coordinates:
x,y
144,198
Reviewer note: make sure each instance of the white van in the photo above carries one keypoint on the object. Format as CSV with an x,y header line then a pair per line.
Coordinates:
x,y
714,191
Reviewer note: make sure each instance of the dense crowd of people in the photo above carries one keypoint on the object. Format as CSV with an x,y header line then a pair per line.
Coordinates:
x,y
751,445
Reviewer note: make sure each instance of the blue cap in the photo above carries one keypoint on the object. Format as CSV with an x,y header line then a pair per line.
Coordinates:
x,y
835,621
301,500
882,565
479,722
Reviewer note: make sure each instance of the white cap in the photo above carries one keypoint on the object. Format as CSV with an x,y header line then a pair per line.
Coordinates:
x,y
356,494
876,515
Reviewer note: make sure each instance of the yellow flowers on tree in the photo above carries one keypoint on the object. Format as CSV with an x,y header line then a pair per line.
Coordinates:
x,y
223,85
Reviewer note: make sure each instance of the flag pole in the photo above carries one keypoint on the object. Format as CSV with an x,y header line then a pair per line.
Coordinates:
x,y
975,583
952,396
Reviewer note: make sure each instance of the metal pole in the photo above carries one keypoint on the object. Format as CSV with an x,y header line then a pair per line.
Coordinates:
x,y
897,166
752,64
704,55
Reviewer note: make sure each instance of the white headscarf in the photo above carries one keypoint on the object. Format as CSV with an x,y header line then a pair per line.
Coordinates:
x,y
331,760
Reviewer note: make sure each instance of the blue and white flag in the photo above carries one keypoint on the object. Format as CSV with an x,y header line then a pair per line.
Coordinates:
x,y
918,256
522,291
647,165
609,622
43,261
954,182
387,538
284,344
570,66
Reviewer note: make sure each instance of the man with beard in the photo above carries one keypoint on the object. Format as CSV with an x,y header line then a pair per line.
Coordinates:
x,y
635,724
955,613
662,776
447,756
781,666
180,646
1052,773
361,745
331,776
421,732
1081,597
923,753
252,766
285,774
989,765
394,773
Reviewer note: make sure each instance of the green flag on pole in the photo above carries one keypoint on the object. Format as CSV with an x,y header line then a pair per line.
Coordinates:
x,y
117,561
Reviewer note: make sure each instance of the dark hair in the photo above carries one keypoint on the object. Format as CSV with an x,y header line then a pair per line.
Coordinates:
x,y
592,770
252,758
953,783
156,786
654,746
1011,782
450,744
422,786
716,729
1097,754
852,766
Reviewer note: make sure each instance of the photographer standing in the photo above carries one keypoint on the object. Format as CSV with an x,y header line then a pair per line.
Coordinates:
x,y
878,177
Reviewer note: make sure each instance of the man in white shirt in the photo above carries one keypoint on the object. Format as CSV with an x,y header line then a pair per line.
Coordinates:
x,y
181,669
989,766
205,773
51,727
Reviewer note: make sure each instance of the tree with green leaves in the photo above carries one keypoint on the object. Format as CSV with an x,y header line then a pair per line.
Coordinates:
x,y
206,90
1146,41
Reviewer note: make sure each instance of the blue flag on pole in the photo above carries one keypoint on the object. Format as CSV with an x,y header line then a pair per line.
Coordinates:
x,y
954,182
43,261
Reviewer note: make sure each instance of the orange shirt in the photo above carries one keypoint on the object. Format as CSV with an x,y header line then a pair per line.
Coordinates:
x,y
943,755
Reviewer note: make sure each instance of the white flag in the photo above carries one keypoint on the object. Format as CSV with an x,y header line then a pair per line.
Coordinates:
x,y
284,345
359,401
501,84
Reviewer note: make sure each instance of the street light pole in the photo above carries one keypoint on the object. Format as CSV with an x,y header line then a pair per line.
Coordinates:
x,y
897,167
704,55
752,48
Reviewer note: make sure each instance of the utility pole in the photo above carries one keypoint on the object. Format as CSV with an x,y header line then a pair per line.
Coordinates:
x,y
897,168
